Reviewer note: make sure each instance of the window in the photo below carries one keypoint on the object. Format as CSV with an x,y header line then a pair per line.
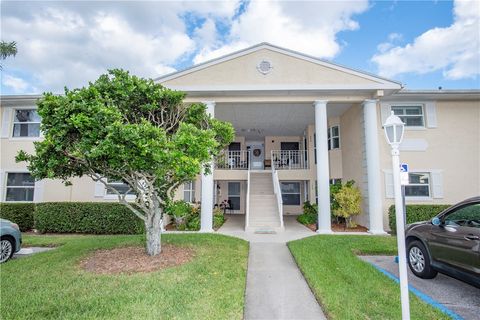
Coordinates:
x,y
419,185
467,216
20,187
315,147
412,116
290,193
333,138
335,181
26,123
120,186
189,192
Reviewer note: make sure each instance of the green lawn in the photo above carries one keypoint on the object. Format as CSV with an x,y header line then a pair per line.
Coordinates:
x,y
52,286
349,288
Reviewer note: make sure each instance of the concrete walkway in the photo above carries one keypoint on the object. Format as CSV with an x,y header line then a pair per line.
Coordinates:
x,y
276,288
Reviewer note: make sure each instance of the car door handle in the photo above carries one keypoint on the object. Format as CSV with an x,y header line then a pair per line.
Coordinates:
x,y
472,237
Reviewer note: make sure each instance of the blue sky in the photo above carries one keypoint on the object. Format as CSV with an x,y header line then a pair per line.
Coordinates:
x,y
423,44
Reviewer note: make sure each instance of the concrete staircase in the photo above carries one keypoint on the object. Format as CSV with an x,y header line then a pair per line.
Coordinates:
x,y
264,216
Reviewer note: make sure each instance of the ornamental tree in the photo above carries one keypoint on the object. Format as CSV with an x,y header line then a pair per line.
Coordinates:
x,y
123,127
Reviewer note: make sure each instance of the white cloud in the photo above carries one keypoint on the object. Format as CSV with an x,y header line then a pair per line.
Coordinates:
x,y
455,49
72,42
17,84
306,26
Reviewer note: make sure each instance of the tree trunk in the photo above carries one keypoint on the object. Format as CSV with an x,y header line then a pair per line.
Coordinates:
x,y
153,231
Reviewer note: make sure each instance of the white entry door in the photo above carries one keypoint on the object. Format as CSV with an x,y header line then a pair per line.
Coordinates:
x,y
257,154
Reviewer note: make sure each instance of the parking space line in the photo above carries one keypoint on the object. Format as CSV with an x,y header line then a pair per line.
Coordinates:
x,y
422,295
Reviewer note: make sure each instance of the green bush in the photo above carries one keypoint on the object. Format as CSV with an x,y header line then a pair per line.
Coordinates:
x,y
309,215
218,221
416,213
180,211
19,213
349,200
87,217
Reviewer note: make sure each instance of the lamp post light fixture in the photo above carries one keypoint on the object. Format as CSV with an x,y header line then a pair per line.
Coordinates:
x,y
394,128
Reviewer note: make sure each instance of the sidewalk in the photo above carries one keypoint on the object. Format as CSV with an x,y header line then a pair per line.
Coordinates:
x,y
276,288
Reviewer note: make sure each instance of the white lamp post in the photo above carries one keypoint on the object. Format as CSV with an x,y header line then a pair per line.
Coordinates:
x,y
394,128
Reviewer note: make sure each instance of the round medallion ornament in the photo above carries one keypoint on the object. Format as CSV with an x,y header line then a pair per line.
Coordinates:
x,y
257,152
264,67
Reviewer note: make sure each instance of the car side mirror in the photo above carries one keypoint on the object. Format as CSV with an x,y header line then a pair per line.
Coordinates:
x,y
436,221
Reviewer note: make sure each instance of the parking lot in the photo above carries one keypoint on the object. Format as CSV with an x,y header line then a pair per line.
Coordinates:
x,y
462,299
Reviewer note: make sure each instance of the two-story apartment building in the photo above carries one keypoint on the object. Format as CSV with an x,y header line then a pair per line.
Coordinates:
x,y
301,123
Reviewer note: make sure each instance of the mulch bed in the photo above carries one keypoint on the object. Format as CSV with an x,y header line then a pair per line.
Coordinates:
x,y
340,227
129,260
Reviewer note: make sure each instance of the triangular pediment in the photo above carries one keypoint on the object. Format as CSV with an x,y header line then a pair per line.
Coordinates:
x,y
269,67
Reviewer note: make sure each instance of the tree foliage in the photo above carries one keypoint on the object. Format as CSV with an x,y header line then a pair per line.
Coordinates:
x,y
123,127
349,201
7,49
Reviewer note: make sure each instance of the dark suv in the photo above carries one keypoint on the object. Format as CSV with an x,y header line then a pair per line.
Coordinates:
x,y
449,243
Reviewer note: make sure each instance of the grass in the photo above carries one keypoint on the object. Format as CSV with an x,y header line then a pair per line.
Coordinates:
x,y
51,285
347,287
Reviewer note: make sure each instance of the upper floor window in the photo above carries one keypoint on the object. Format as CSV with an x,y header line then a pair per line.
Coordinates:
x,y
189,192
333,138
120,186
412,116
418,185
20,186
26,123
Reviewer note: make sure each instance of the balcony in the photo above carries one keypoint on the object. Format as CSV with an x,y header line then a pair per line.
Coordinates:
x,y
289,159
232,160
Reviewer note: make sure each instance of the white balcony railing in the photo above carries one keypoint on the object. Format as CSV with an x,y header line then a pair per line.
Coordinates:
x,y
232,160
289,159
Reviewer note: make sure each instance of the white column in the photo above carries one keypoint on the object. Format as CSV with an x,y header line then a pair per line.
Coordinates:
x,y
373,167
323,174
206,214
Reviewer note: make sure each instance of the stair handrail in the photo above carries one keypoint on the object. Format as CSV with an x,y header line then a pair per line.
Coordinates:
x,y
247,209
277,191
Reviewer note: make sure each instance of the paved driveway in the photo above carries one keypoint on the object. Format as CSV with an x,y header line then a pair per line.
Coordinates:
x,y
459,297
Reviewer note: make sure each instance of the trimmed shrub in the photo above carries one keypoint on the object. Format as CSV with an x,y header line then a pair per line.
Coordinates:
x,y
309,215
87,217
218,221
416,213
19,213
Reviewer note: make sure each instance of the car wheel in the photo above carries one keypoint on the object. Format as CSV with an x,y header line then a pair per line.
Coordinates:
x,y
6,250
419,260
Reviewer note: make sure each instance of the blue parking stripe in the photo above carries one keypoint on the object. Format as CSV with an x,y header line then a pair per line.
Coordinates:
x,y
422,296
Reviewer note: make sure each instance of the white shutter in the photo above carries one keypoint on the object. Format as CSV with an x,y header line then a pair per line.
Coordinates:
x,y
2,181
385,111
389,192
38,191
7,118
99,189
431,113
437,184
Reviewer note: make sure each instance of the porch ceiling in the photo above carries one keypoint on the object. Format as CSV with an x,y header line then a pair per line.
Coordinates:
x,y
255,121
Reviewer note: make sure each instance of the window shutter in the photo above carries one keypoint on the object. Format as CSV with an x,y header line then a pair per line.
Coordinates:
x,y
7,117
99,189
385,111
437,184
2,181
389,192
38,191
431,112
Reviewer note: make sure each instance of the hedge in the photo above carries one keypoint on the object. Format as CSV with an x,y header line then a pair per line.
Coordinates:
x,y
86,217
20,213
416,213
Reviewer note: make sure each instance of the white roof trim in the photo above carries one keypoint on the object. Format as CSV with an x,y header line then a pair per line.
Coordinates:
x,y
287,52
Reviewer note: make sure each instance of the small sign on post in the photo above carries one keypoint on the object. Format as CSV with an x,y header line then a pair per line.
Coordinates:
x,y
404,174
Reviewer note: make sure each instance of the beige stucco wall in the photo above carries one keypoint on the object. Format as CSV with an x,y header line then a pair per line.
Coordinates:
x,y
453,148
274,143
286,70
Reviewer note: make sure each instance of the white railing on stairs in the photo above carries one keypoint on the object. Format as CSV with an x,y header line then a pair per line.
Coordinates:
x,y
247,209
278,193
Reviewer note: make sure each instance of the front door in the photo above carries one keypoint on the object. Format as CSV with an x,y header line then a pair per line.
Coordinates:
x,y
257,156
